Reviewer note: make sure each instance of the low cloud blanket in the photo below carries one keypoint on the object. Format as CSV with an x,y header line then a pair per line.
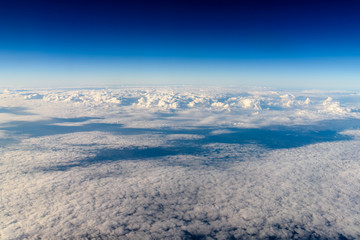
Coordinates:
x,y
179,163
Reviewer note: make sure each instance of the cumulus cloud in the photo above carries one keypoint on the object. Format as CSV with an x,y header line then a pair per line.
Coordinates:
x,y
268,106
179,164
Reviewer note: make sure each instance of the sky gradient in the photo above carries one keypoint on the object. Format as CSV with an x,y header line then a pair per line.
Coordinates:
x,y
290,44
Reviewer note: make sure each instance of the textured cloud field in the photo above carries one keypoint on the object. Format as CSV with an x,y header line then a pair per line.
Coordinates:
x,y
179,163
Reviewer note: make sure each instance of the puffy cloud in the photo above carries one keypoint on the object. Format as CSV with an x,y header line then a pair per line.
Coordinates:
x,y
298,106
332,107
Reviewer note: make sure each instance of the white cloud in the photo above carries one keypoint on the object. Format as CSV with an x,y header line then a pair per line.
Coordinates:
x,y
68,186
183,136
304,191
268,106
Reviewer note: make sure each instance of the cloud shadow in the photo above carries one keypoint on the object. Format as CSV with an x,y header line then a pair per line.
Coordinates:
x,y
15,110
131,153
271,137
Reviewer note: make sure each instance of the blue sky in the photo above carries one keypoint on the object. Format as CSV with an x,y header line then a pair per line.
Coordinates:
x,y
290,44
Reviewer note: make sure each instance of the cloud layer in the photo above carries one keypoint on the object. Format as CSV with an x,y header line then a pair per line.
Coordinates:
x,y
256,108
88,168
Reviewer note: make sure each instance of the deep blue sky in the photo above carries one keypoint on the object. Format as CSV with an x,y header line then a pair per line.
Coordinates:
x,y
293,43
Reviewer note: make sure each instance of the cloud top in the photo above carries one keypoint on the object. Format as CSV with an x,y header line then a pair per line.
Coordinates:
x,y
179,163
